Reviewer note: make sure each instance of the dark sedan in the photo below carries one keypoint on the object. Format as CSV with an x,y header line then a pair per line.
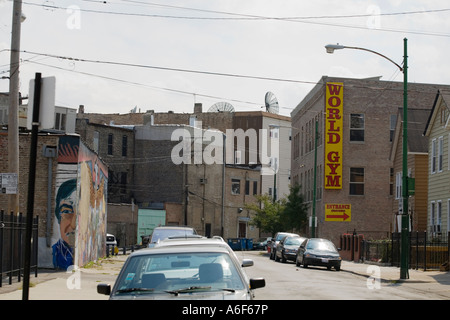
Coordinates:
x,y
318,252
287,248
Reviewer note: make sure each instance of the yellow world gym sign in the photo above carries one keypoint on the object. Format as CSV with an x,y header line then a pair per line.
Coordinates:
x,y
334,103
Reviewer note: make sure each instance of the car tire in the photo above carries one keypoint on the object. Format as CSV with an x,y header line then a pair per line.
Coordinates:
x,y
338,268
304,264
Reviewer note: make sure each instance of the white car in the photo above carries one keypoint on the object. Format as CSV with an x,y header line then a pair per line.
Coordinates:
x,y
111,240
192,268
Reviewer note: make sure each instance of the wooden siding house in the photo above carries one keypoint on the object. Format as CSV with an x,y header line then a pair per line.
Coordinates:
x,y
438,133
417,168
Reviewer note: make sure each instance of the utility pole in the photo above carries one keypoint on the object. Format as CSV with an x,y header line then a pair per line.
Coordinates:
x,y
13,111
404,259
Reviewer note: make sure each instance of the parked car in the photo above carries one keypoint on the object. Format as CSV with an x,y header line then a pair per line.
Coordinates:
x,y
261,244
318,252
287,248
192,268
111,240
161,233
274,243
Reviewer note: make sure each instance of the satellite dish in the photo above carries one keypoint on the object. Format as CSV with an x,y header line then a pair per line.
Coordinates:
x,y
221,107
271,103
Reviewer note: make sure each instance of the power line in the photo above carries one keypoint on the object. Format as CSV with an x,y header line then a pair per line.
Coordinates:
x,y
238,16
135,65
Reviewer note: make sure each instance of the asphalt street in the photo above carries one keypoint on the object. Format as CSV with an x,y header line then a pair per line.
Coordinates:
x,y
81,284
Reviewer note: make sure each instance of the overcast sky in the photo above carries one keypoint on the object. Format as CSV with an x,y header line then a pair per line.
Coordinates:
x,y
167,55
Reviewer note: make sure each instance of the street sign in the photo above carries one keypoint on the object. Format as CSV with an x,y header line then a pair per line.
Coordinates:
x,y
8,183
338,212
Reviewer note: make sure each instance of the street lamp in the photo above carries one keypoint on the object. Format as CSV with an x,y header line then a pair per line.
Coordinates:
x,y
405,192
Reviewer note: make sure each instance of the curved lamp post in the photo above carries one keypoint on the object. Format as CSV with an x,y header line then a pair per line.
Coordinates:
x,y
404,261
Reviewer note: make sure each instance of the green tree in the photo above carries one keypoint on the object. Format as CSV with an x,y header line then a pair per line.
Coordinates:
x,y
295,210
267,214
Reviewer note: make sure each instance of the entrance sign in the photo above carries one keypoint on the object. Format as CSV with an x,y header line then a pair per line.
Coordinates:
x,y
334,103
338,212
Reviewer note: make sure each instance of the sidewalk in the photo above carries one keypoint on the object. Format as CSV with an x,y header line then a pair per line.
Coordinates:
x,y
80,284
392,274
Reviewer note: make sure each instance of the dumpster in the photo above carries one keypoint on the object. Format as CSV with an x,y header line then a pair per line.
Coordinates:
x,y
249,244
237,243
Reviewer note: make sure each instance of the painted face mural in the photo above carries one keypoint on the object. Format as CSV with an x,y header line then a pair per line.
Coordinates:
x,y
66,215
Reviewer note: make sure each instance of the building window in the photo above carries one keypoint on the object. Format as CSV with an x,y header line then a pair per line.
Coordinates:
x,y
357,127
60,121
247,187
435,217
357,181
110,144
124,146
391,181
433,156
440,153
255,187
95,141
274,131
123,182
235,186
392,128
398,186
448,215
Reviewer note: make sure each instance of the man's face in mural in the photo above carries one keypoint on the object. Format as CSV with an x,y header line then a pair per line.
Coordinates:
x,y
68,220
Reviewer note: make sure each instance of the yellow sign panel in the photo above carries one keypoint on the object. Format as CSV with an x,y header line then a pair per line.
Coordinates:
x,y
334,103
338,212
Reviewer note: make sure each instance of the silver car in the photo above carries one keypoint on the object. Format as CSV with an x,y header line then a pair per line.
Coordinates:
x,y
197,268
276,240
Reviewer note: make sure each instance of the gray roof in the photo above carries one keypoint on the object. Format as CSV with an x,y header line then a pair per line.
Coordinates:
x,y
417,121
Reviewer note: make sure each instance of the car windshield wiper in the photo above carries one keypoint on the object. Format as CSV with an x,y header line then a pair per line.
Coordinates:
x,y
135,290
188,289
196,289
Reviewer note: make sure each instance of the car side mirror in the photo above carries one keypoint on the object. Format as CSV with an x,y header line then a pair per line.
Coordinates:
x,y
104,288
247,263
257,283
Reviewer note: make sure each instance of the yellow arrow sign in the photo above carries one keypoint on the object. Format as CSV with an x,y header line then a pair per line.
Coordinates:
x,y
338,212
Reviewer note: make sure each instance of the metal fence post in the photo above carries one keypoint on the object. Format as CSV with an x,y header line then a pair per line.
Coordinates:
x,y
2,225
425,237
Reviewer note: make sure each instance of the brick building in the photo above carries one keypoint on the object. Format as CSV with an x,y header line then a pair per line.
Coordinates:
x,y
356,121
70,193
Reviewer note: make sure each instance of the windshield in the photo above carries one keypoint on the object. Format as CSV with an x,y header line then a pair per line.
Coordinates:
x,y
322,245
294,241
179,273
161,234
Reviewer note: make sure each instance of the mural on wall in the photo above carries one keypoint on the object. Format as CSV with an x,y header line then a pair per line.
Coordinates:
x,y
91,218
80,205
65,202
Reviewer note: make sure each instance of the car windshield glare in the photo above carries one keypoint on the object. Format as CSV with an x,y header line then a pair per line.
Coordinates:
x,y
321,245
174,272
293,241
161,234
